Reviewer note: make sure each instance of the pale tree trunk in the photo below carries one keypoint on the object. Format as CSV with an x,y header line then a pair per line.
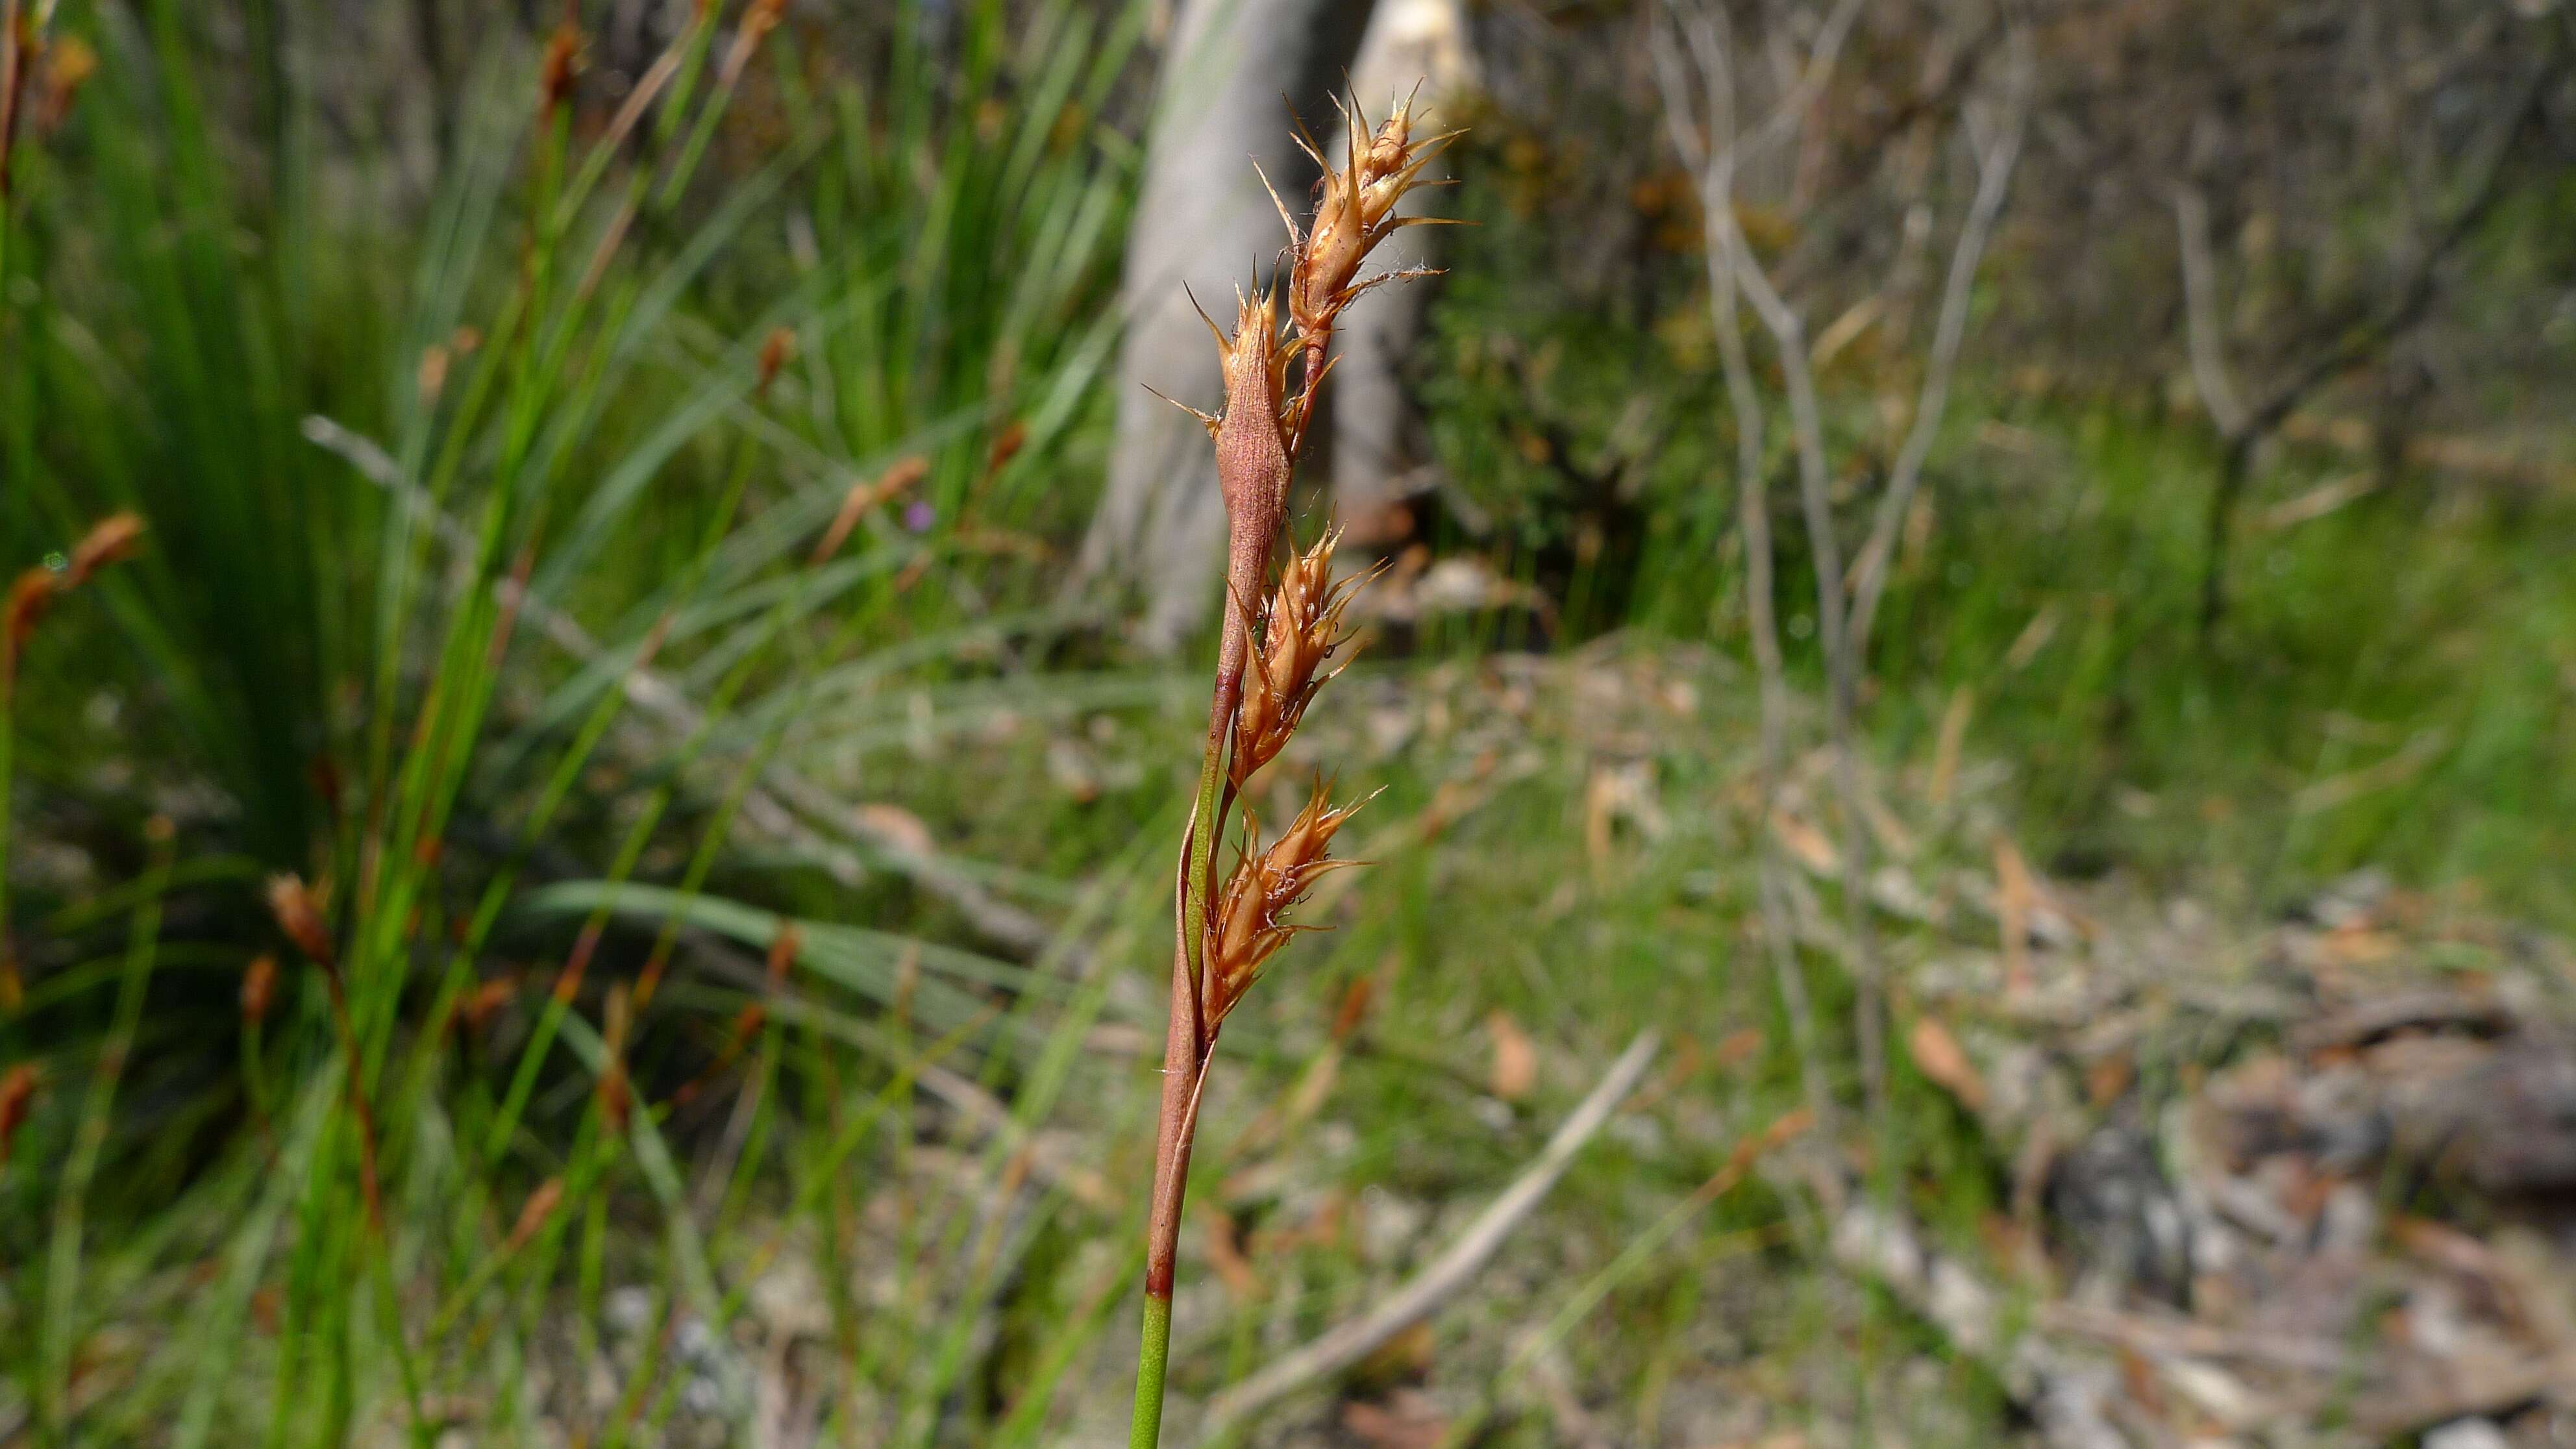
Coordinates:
x,y
1375,454
1204,223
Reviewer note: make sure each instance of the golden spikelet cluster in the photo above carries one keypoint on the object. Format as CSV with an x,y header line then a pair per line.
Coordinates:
x,y
1355,209
1274,651
1278,641
1250,921
1299,636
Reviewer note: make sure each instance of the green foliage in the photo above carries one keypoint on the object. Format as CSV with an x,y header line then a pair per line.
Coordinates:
x,y
548,391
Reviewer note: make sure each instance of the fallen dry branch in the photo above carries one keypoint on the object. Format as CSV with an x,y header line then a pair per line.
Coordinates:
x,y
2068,1394
1349,1342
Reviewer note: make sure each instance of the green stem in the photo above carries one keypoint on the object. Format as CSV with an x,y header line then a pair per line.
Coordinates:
x,y
1145,1431
1204,828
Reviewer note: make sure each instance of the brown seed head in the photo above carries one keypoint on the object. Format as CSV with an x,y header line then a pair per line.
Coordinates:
x,y
1250,920
17,1095
757,22
478,1009
775,350
864,495
258,988
1354,211
783,950
112,539
615,1096
562,63
1301,635
298,908
540,1206
1006,446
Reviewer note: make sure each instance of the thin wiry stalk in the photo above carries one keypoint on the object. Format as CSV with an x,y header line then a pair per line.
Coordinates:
x,y
1713,158
1710,53
1789,339
1994,178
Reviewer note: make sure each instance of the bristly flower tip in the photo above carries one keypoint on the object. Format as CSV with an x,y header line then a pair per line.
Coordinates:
x,y
1250,922
1355,210
299,909
1301,632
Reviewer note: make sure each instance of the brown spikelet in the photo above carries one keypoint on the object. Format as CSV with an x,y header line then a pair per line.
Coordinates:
x,y
864,495
541,1205
430,378
757,22
562,63
17,1097
615,1096
1006,446
1299,636
299,909
775,352
477,1010
1248,436
258,988
783,950
1354,1007
112,539
1251,916
1354,211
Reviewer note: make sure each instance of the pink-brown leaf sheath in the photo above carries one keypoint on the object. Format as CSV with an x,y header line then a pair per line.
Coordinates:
x,y
1252,466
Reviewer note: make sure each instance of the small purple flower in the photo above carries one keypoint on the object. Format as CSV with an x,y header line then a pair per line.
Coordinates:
x,y
918,515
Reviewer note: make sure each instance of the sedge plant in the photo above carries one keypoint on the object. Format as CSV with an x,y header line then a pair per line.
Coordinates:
x,y
1279,634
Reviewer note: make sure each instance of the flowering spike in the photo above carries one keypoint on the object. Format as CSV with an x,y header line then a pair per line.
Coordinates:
x,y
1250,922
1301,632
1224,932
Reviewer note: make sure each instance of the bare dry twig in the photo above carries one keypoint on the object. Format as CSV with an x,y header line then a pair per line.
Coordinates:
x,y
1348,1342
